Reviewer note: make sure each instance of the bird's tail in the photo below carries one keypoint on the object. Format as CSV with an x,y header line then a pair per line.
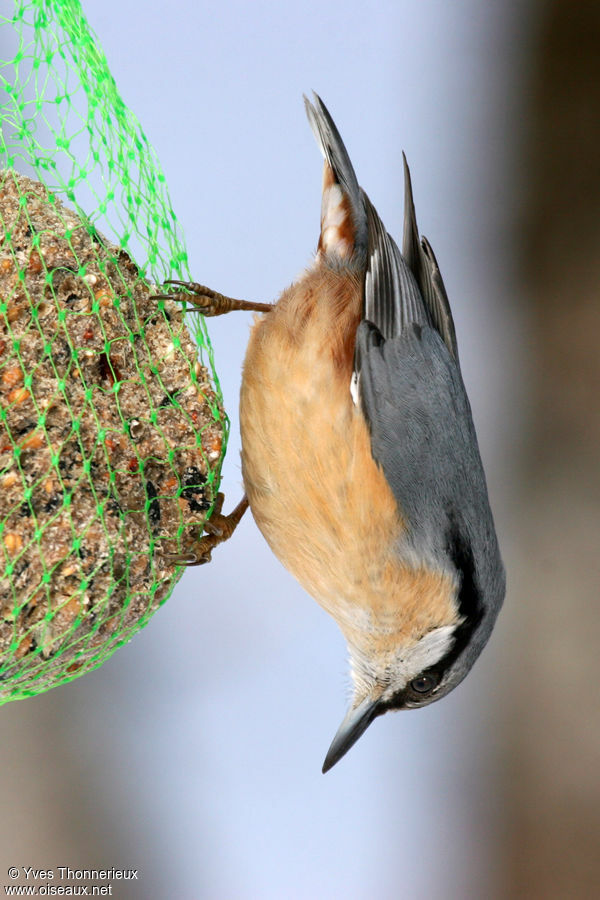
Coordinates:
x,y
344,232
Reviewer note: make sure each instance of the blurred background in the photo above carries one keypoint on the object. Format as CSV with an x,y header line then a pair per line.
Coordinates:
x,y
194,754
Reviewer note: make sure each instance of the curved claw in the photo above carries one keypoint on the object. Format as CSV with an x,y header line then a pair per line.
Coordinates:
x,y
218,528
192,287
187,559
213,527
180,559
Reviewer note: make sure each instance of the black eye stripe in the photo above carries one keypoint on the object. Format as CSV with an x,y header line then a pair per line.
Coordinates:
x,y
470,604
469,596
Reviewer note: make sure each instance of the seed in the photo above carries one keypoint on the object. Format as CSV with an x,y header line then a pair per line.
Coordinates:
x,y
25,645
35,263
9,479
33,441
13,542
104,297
13,376
18,395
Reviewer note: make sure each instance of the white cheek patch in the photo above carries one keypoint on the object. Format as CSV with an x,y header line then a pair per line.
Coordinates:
x,y
385,677
428,651
425,653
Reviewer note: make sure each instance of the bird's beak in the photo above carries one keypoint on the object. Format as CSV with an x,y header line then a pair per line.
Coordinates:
x,y
356,722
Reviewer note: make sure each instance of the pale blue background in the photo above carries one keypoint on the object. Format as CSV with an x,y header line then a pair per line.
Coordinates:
x,y
195,753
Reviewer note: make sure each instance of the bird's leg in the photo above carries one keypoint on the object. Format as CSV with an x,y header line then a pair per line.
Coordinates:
x,y
218,528
209,302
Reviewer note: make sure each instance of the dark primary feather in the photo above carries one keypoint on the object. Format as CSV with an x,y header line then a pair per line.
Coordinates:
x,y
392,297
404,288
421,260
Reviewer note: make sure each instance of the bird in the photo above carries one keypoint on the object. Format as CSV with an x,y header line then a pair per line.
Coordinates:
x,y
360,460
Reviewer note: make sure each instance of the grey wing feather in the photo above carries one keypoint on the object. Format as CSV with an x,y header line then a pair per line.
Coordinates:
x,y
419,417
423,437
392,297
335,153
421,260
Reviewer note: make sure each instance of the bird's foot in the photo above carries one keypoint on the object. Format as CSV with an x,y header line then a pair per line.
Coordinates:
x,y
207,301
218,528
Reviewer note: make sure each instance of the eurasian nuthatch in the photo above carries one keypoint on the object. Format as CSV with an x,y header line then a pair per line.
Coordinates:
x,y
360,460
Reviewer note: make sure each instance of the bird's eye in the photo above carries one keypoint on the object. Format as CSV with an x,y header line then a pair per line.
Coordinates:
x,y
424,684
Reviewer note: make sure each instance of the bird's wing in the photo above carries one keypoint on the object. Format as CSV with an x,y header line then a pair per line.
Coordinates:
x,y
414,402
422,435
392,297
410,387
421,260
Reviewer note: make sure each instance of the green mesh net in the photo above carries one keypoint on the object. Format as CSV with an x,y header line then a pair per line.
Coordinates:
x,y
112,431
